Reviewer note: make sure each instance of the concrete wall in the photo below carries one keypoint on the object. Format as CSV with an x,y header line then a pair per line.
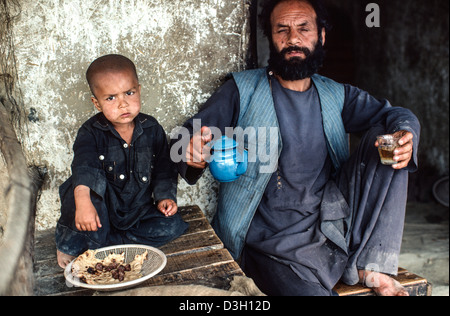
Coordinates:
x,y
406,60
182,49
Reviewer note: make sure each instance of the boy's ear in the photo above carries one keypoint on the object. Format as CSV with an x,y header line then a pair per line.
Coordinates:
x,y
96,104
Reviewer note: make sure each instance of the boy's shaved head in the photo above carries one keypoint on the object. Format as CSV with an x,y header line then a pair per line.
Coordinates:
x,y
109,63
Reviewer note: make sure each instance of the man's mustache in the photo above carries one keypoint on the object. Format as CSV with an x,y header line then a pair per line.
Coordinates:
x,y
298,49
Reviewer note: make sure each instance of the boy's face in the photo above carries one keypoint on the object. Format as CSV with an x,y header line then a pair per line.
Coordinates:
x,y
118,96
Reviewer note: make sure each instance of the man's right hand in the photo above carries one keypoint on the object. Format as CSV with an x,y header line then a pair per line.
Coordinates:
x,y
198,152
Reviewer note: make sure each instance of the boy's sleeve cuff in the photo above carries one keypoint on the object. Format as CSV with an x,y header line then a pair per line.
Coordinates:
x,y
91,177
165,190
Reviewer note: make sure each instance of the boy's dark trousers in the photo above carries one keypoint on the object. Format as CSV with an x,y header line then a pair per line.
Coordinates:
x,y
152,229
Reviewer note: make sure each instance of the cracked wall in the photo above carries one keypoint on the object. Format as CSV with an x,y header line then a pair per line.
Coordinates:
x,y
182,49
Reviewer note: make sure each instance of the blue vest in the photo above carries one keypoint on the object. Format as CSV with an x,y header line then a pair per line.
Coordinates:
x,y
238,201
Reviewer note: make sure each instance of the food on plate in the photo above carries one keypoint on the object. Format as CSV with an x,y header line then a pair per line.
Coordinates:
x,y
110,270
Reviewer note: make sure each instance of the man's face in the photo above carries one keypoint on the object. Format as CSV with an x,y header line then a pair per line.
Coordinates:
x,y
118,96
294,25
296,49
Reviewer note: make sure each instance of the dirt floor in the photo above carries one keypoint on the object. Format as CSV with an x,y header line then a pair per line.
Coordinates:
x,y
425,248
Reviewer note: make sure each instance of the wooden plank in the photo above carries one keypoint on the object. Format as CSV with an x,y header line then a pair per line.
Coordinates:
x,y
56,285
199,236
189,261
187,268
47,268
197,257
216,276
198,226
189,213
45,247
193,258
193,243
414,284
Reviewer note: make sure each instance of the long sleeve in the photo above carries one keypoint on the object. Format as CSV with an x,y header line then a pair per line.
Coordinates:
x,y
87,163
220,111
164,176
361,111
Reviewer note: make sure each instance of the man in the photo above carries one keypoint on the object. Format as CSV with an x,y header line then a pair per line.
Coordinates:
x,y
321,215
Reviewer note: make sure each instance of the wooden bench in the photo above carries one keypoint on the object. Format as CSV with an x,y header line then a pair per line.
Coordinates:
x,y
197,257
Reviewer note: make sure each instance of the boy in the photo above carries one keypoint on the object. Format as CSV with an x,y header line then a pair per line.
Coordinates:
x,y
121,167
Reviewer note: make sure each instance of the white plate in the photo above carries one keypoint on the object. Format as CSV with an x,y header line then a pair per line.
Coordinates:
x,y
155,262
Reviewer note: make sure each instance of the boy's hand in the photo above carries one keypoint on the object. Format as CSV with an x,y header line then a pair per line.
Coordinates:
x,y
167,207
86,217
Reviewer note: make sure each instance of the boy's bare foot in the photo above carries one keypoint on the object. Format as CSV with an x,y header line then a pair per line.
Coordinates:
x,y
63,259
382,284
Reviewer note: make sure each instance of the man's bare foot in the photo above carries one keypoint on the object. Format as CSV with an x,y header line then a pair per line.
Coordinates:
x,y
63,259
382,284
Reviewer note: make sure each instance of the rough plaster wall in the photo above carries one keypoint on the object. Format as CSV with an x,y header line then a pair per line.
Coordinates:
x,y
182,49
4,180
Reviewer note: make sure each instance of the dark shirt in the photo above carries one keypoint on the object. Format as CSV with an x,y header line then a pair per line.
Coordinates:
x,y
128,177
286,224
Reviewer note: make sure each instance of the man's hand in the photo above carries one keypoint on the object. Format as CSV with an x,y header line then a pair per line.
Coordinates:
x,y
403,153
86,217
167,207
198,152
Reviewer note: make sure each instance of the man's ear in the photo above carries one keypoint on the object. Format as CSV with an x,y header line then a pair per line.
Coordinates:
x,y
323,36
96,104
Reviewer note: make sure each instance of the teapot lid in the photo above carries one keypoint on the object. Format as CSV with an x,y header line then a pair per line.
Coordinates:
x,y
224,143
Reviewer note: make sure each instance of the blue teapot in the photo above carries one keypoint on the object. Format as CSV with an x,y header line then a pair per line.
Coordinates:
x,y
226,163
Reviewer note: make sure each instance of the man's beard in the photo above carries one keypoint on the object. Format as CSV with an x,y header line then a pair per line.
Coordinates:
x,y
296,68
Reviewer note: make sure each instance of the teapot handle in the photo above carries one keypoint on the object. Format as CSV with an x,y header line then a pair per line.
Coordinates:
x,y
211,152
242,166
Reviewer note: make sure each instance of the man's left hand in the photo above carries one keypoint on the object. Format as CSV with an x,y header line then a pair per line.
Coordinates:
x,y
403,153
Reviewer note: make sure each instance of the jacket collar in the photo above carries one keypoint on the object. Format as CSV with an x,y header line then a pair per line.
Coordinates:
x,y
142,121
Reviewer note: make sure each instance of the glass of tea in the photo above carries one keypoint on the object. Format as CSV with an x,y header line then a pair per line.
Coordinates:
x,y
386,147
